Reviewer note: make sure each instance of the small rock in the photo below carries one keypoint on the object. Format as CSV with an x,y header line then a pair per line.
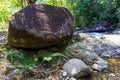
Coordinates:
x,y
116,31
111,75
13,72
64,73
102,62
97,67
67,78
100,26
76,68
100,65
83,35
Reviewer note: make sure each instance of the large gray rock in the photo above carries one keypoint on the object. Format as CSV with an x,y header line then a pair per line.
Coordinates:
x,y
80,51
40,26
76,68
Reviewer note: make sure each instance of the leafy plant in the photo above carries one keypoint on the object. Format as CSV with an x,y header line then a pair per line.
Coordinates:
x,y
14,55
5,11
118,15
21,3
83,11
51,57
53,2
87,12
22,60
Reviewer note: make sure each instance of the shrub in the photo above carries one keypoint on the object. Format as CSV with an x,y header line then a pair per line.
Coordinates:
x,y
4,11
118,15
83,11
53,2
87,12
23,60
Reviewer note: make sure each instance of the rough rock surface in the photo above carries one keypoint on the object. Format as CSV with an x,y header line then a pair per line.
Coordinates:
x,y
100,46
100,65
76,68
40,26
77,50
117,31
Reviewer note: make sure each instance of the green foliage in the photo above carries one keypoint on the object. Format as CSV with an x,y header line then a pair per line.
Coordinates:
x,y
22,60
51,57
107,10
21,3
5,11
53,2
118,15
9,7
87,12
82,10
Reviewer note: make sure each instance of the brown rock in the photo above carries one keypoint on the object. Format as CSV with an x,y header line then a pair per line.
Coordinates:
x,y
40,26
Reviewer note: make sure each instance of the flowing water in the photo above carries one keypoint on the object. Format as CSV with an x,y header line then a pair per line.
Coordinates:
x,y
114,38
113,71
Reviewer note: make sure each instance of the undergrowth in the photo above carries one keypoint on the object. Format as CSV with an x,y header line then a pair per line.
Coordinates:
x,y
22,60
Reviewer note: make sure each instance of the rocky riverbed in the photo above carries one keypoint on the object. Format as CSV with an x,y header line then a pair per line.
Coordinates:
x,y
106,46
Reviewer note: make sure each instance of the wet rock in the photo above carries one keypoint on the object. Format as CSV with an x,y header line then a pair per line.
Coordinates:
x,y
116,31
100,65
111,75
114,52
102,62
76,68
100,26
97,67
109,48
40,26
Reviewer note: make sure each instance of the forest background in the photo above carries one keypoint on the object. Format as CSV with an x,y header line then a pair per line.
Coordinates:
x,y
85,12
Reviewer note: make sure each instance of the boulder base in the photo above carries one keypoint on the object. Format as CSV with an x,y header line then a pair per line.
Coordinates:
x,y
40,26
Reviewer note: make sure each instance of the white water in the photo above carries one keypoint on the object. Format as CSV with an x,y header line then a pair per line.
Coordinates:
x,y
114,38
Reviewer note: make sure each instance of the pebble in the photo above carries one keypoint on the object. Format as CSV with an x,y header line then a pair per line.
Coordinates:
x,y
111,75
100,65
97,67
64,73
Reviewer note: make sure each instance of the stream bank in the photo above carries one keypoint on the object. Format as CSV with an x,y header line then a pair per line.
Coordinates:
x,y
91,43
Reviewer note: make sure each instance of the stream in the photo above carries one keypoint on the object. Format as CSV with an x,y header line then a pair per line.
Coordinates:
x,y
111,37
114,63
112,40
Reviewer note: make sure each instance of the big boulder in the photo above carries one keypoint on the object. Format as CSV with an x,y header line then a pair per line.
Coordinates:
x,y
40,26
